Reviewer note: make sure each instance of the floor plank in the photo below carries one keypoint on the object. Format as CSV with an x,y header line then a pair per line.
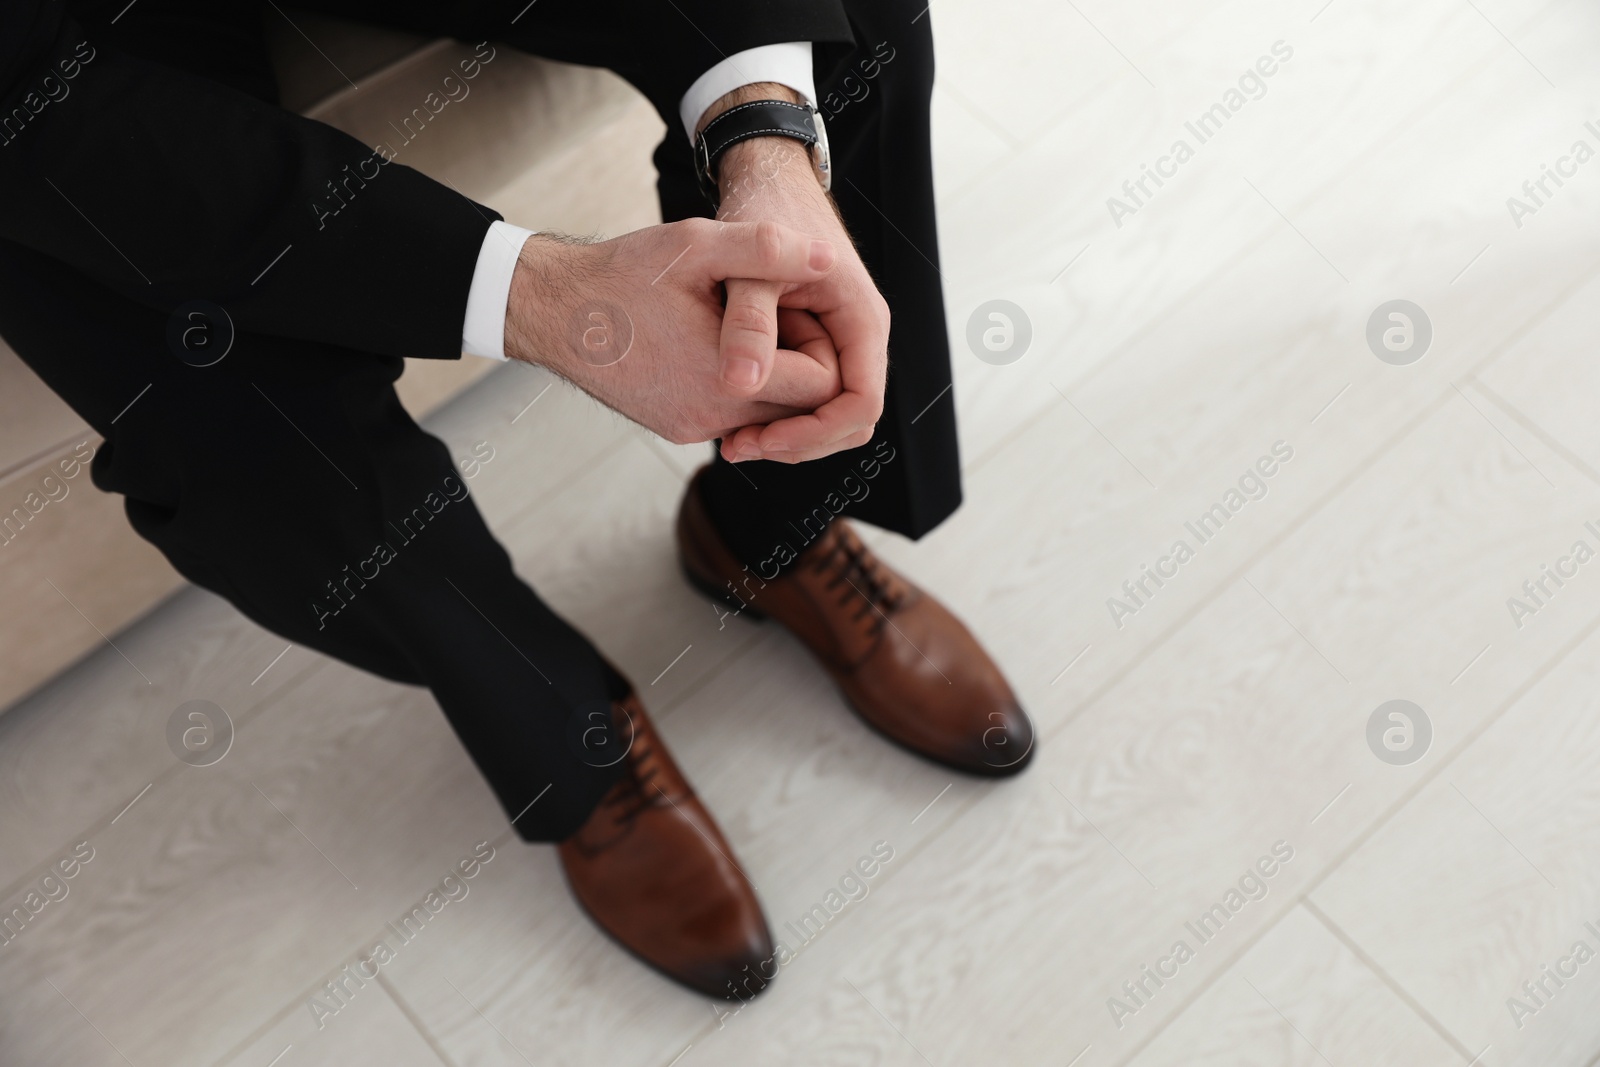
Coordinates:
x,y
1489,875
1300,997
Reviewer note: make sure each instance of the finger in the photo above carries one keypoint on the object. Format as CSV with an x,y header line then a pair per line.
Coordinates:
x,y
796,326
800,331
806,373
863,366
738,444
799,383
860,330
742,445
856,320
805,376
843,422
749,340
766,251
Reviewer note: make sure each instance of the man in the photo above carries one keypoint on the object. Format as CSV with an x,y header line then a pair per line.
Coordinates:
x,y
146,171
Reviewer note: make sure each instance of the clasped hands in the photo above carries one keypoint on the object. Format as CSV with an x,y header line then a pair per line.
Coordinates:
x,y
761,328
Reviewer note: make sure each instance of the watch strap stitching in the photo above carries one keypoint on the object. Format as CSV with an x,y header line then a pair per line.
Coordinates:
x,y
804,130
745,135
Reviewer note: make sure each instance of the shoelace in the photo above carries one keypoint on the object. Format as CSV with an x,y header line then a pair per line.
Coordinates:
x,y
861,575
631,795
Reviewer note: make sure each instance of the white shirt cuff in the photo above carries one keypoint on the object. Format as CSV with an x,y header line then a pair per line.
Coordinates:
x,y
484,331
787,64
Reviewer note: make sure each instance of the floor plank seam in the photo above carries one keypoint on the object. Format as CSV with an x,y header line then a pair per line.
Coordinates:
x,y
700,684
1383,975
415,1019
1382,820
1575,461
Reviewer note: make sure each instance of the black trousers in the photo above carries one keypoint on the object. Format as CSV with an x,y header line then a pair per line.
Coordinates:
x,y
288,478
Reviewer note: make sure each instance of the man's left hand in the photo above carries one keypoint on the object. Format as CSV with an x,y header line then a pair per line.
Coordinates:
x,y
840,318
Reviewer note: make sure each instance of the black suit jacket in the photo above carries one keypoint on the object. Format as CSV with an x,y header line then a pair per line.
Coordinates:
x,y
167,185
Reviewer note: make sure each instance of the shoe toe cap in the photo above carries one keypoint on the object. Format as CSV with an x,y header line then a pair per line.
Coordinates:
x,y
1006,743
738,971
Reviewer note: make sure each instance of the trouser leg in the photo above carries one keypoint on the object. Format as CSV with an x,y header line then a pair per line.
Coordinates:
x,y
288,479
907,478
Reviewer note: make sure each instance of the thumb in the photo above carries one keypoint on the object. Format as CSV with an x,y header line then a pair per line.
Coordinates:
x,y
749,343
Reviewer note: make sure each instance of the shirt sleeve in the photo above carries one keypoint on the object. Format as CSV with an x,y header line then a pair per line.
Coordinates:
x,y
164,186
484,331
787,64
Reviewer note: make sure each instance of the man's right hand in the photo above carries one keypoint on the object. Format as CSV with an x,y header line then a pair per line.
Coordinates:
x,y
637,321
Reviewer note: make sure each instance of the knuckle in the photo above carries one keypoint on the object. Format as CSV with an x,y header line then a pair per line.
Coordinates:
x,y
768,237
696,231
750,318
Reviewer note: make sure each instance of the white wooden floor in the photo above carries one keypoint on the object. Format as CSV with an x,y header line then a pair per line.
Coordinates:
x,y
1226,717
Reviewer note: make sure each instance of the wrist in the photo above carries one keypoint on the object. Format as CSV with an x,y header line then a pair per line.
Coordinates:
x,y
761,164
532,306
564,313
763,167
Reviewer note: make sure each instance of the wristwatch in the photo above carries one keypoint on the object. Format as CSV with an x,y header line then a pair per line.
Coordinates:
x,y
759,118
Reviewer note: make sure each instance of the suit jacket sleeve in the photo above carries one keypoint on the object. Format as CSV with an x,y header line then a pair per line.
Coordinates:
x,y
168,187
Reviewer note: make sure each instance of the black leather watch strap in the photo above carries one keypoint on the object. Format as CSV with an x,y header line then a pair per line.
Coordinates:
x,y
758,118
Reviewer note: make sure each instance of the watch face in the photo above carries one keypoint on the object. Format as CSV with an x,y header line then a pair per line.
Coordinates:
x,y
820,156
702,157
703,174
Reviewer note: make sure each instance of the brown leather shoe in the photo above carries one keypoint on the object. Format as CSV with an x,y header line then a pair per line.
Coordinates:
x,y
653,871
907,666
